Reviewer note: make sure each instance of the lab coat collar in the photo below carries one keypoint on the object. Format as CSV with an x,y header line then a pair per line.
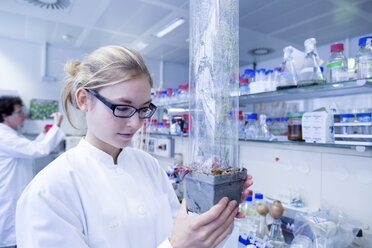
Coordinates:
x,y
100,155
7,128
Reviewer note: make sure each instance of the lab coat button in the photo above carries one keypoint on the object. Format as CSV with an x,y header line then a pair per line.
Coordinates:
x,y
119,170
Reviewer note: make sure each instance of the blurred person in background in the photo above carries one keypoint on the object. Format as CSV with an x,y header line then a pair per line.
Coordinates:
x,y
16,160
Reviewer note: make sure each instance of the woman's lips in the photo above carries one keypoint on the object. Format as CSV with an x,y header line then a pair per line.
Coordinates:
x,y
126,135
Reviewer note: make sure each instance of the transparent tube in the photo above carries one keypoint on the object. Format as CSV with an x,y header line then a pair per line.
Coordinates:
x,y
214,84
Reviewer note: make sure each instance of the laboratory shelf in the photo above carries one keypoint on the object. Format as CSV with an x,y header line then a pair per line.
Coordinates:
x,y
313,91
334,145
350,87
339,144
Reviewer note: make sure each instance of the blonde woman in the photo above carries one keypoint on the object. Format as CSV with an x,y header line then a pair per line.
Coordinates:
x,y
103,193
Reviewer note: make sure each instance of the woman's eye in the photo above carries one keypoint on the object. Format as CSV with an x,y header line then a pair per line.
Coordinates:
x,y
124,109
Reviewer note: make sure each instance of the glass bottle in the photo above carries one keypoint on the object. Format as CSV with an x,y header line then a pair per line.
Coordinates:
x,y
363,59
310,72
262,230
276,237
337,64
288,76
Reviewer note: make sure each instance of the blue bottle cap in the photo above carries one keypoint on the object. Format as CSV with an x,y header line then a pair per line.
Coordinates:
x,y
258,196
363,40
249,198
346,116
247,71
363,115
284,119
164,92
277,69
276,119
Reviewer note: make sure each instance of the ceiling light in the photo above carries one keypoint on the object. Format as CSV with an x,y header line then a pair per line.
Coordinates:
x,y
139,45
53,4
169,27
261,51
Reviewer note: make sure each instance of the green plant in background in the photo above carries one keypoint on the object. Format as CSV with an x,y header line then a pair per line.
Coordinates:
x,y
42,109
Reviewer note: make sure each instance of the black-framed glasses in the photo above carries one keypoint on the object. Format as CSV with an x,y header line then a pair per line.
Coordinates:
x,y
126,111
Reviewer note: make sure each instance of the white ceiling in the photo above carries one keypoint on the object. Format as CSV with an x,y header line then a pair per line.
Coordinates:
x,y
263,23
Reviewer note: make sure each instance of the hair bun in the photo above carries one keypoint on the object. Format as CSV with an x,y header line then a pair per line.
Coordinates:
x,y
72,67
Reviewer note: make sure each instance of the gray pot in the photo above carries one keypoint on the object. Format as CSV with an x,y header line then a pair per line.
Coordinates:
x,y
202,191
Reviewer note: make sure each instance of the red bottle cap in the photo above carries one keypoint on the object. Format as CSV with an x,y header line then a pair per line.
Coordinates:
x,y
337,46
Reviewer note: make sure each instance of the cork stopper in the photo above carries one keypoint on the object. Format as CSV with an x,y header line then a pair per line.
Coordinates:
x,y
276,209
262,209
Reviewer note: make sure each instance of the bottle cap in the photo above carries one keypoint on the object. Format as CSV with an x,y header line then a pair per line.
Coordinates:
x,y
337,46
363,40
249,198
258,196
363,115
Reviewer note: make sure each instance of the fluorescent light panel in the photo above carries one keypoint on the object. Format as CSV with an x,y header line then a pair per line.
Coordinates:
x,y
169,27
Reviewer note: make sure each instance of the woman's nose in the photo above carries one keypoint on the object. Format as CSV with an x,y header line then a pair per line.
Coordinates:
x,y
134,121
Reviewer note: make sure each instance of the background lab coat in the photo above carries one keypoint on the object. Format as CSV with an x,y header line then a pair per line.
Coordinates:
x,y
16,160
82,199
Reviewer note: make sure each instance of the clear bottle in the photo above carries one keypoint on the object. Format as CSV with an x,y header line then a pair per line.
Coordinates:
x,y
269,81
276,77
275,127
276,237
263,132
310,72
288,76
241,126
284,126
347,118
364,117
262,230
337,64
363,58
251,126
247,206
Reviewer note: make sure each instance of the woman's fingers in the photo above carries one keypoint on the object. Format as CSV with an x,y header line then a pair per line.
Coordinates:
x,y
212,214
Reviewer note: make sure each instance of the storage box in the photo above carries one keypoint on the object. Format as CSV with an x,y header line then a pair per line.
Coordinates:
x,y
317,126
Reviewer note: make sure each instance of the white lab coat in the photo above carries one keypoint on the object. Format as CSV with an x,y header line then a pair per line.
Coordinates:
x,y
82,199
16,160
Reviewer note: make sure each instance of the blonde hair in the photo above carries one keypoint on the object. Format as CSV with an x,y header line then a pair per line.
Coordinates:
x,y
103,67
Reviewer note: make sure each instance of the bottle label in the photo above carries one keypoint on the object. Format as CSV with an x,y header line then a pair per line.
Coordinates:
x,y
334,64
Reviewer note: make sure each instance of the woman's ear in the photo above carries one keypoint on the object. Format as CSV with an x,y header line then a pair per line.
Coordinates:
x,y
82,99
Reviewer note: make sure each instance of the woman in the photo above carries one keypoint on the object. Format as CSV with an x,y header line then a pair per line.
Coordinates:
x,y
17,154
103,193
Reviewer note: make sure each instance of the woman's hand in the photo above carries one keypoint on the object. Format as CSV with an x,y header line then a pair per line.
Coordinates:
x,y
57,118
205,230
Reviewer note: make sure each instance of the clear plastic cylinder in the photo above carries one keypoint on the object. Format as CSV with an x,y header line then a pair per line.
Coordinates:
x,y
214,84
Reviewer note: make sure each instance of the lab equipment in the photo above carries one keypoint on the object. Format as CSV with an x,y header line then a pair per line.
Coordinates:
x,y
363,58
288,76
337,69
310,72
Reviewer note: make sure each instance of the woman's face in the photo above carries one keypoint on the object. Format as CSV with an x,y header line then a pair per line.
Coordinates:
x,y
107,131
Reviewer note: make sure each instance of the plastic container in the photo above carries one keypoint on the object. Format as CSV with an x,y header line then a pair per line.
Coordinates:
x,y
346,118
275,127
364,117
284,126
288,76
363,58
251,128
295,127
337,69
310,72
